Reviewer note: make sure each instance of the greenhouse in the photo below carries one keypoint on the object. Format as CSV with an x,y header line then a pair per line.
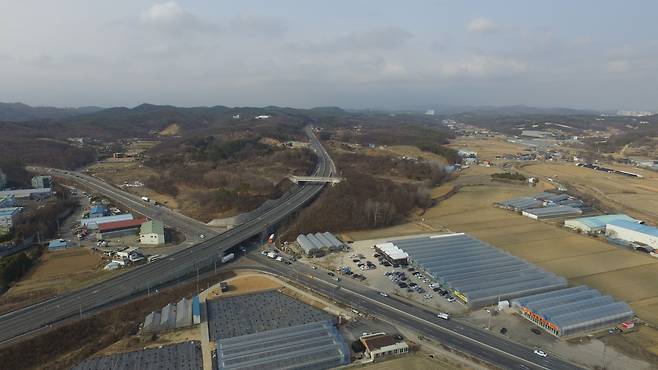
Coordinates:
x,y
572,311
476,272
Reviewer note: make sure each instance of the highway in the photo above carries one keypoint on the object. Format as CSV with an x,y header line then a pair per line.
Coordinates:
x,y
179,265
476,342
479,343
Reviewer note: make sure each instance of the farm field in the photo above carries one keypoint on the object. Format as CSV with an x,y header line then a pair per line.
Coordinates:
x,y
57,272
628,276
486,147
637,197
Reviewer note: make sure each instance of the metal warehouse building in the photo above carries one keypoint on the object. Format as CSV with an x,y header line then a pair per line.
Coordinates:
x,y
314,243
316,345
476,272
595,224
633,233
520,204
572,311
551,212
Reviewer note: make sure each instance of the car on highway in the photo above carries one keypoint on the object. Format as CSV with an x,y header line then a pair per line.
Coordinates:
x,y
383,294
443,315
541,353
331,273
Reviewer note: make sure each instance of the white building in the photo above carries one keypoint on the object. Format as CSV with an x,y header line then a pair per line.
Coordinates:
x,y
595,224
633,233
381,345
152,232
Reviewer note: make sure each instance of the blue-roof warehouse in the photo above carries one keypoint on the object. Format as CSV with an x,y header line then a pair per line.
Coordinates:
x,y
595,224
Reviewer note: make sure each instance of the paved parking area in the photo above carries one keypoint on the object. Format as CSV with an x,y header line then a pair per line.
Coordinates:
x,y
361,256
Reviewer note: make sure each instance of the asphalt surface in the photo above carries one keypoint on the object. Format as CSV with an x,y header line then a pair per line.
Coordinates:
x,y
482,344
490,347
178,266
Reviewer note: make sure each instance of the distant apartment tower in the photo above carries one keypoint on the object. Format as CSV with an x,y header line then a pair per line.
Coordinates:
x,y
3,180
40,182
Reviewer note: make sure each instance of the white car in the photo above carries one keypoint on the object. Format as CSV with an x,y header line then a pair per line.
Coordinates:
x,y
383,294
541,353
451,299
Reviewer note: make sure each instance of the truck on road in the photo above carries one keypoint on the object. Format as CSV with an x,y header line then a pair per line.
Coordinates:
x,y
228,257
443,315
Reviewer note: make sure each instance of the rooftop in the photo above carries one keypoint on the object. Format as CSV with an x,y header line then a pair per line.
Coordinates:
x,y
316,345
152,227
634,226
475,271
598,222
377,341
181,356
10,211
124,224
258,312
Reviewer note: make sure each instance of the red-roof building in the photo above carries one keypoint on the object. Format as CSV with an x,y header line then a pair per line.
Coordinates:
x,y
120,227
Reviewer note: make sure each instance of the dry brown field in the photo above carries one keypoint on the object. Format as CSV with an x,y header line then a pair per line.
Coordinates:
x,y
637,197
58,272
486,147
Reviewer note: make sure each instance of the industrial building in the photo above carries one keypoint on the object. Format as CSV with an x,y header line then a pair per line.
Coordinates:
x,y
41,193
634,234
572,311
7,201
476,272
8,216
551,212
318,243
181,356
595,224
316,345
42,182
534,203
520,204
392,254
381,345
117,229
98,210
93,223
152,232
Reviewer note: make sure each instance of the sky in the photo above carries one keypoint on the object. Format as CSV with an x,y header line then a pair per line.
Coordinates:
x,y
594,54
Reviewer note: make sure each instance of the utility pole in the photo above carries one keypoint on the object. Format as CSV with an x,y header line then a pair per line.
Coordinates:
x,y
603,357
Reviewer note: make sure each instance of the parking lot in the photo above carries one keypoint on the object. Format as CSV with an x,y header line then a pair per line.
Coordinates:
x,y
362,263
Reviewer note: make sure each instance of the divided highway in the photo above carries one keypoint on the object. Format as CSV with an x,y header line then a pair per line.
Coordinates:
x,y
479,343
178,265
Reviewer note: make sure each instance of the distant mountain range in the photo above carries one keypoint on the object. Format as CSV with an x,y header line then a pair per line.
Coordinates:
x,y
19,112
509,110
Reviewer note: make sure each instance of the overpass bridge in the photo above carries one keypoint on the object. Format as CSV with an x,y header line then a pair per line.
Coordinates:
x,y
315,179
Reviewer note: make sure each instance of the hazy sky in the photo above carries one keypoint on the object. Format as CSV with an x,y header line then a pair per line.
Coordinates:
x,y
355,53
